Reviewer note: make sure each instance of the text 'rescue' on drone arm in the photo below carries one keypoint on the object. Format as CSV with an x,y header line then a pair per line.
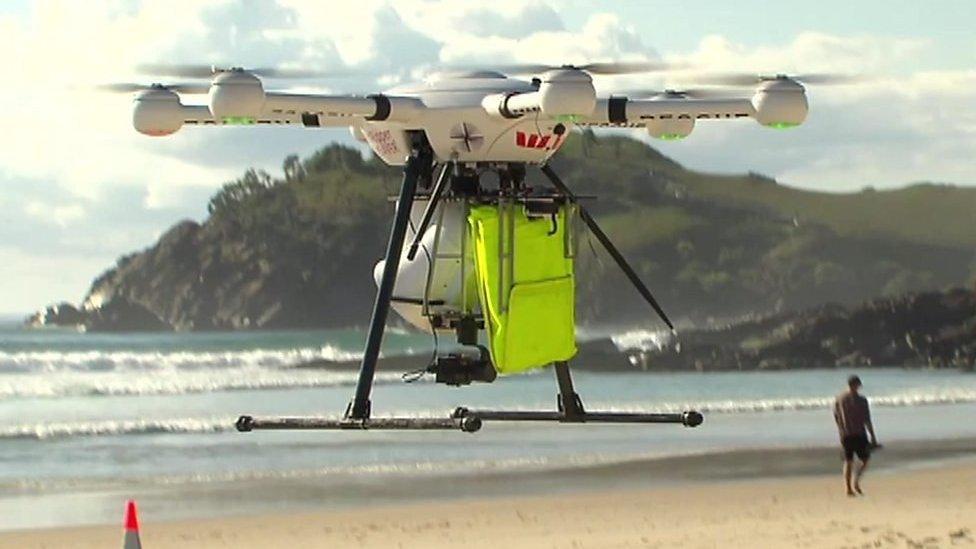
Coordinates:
x,y
341,110
665,118
777,104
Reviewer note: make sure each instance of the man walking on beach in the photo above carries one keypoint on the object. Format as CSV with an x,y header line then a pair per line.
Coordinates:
x,y
853,419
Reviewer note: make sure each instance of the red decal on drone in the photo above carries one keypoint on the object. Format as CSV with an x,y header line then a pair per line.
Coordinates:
x,y
537,141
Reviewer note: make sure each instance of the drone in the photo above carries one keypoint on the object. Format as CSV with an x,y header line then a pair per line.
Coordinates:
x,y
474,250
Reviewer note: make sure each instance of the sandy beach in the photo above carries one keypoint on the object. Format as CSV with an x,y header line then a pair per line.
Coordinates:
x,y
934,506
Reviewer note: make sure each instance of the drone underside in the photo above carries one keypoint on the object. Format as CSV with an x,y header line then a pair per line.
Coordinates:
x,y
481,116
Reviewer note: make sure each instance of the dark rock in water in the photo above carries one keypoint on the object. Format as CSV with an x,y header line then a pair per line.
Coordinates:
x,y
61,314
933,329
117,315
121,315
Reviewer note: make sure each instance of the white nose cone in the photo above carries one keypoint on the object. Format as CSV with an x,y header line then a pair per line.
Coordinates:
x,y
157,112
236,97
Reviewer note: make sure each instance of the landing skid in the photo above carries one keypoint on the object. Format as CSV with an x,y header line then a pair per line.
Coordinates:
x,y
463,419
470,421
570,409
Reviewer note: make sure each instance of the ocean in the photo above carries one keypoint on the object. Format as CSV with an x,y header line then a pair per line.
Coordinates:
x,y
87,420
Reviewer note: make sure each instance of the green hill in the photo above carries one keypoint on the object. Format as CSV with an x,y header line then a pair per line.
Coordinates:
x,y
299,250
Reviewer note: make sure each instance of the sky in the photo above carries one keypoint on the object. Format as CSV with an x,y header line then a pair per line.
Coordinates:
x,y
79,187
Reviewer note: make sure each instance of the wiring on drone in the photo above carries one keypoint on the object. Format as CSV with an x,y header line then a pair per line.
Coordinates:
x,y
414,375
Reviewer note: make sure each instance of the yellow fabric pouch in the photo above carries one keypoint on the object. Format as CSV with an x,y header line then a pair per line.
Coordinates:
x,y
524,268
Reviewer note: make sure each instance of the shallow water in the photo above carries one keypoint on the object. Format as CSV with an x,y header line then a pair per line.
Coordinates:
x,y
87,414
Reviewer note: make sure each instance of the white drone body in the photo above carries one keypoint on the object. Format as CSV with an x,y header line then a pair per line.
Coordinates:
x,y
480,116
468,124
472,117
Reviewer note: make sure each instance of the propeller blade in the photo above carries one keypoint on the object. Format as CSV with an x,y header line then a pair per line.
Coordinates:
x,y
728,79
271,72
831,79
208,71
188,88
121,87
130,87
628,67
516,68
690,93
739,80
177,70
602,68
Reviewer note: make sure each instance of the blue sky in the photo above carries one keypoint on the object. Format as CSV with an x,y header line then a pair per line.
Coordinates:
x,y
78,187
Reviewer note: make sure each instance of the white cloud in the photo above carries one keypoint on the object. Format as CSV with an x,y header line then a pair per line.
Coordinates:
x,y
60,215
603,37
76,180
889,131
32,281
807,52
66,131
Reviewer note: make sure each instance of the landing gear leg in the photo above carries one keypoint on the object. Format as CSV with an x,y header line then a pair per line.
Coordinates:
x,y
570,407
568,401
417,163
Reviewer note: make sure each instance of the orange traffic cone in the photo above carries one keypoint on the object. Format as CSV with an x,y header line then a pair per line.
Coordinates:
x,y
130,539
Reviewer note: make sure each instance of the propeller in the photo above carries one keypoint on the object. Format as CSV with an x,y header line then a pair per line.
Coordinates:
x,y
130,87
208,71
690,93
732,79
608,68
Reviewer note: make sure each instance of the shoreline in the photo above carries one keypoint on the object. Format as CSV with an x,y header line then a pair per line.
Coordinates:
x,y
302,491
928,507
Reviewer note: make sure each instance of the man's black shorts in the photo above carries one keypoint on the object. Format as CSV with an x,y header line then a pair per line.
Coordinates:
x,y
856,444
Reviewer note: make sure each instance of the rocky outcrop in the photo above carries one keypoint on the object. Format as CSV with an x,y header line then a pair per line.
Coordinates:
x,y
59,314
122,315
299,251
932,329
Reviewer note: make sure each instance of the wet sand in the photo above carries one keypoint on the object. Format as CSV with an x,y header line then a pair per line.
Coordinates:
x,y
910,506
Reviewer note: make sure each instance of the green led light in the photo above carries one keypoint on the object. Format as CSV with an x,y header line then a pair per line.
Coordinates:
x,y
572,118
671,136
239,120
782,125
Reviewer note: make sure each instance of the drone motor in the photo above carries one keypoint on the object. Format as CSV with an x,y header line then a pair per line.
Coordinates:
x,y
157,112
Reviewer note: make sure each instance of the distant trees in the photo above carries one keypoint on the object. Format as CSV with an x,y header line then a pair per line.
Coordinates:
x,y
234,196
321,225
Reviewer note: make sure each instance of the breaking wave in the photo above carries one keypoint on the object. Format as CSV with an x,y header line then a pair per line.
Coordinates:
x,y
46,374
95,361
41,431
898,400
640,340
205,425
175,382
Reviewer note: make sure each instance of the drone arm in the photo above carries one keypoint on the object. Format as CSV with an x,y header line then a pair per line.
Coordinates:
x,y
620,111
696,108
337,110
196,114
199,115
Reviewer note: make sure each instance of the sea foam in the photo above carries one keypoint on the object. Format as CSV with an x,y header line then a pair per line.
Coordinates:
x,y
169,381
58,361
203,425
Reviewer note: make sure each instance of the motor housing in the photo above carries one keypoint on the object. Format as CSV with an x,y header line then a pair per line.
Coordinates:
x,y
670,129
567,93
780,103
236,97
157,112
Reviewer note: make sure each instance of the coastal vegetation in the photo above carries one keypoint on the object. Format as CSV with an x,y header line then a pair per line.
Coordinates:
x,y
297,250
